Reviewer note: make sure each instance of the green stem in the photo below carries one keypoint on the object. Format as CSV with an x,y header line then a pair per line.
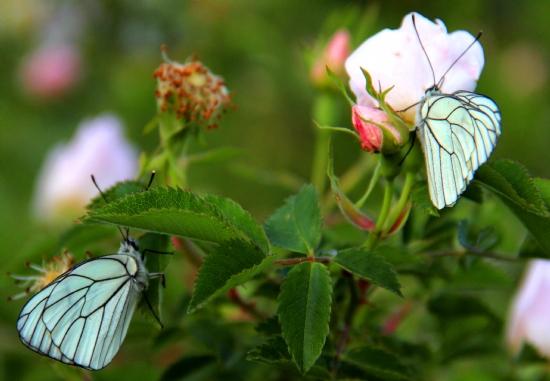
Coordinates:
x,y
373,182
295,261
325,113
403,199
374,235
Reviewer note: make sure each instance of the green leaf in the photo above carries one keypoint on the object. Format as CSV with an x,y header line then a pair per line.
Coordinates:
x,y
119,190
298,224
155,263
228,266
304,312
379,363
241,219
168,211
511,182
338,83
275,352
543,185
420,196
530,248
187,366
370,266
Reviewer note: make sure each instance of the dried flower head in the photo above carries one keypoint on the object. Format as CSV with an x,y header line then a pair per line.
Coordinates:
x,y
49,271
192,91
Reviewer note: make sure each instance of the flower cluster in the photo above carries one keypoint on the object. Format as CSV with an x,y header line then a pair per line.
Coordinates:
x,y
49,271
192,92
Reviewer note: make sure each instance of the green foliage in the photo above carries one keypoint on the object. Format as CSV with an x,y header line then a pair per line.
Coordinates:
x,y
228,266
369,266
420,195
298,224
153,245
513,184
304,312
378,363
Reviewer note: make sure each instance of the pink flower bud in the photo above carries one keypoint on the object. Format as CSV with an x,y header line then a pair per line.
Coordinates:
x,y
376,131
51,71
334,56
529,318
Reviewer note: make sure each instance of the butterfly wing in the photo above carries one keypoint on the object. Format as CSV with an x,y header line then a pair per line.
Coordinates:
x,y
81,318
458,133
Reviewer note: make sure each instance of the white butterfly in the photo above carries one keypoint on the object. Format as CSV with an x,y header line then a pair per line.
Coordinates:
x,y
458,132
81,318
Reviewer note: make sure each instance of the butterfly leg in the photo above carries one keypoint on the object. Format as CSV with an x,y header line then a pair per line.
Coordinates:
x,y
154,251
155,275
151,308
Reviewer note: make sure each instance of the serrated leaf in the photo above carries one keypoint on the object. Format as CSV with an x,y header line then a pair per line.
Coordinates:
x,y
463,234
304,312
511,182
543,185
399,256
186,366
168,211
378,362
115,192
420,196
155,263
369,266
241,219
298,224
228,266
275,352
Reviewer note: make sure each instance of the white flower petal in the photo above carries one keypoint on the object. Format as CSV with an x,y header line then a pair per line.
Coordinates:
x,y
395,58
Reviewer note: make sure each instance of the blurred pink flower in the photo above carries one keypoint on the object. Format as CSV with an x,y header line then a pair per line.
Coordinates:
x,y
529,319
334,56
372,136
99,147
51,71
395,58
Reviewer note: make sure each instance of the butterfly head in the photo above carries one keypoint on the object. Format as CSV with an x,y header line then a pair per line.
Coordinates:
x,y
128,246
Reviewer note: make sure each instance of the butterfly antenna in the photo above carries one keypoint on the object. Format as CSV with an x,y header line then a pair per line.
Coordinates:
x,y
424,49
150,180
105,198
460,56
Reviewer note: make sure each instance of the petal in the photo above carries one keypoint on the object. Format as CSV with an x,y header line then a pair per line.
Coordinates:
x,y
395,58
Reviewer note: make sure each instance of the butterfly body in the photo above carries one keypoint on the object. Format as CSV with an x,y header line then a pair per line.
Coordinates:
x,y
458,132
82,317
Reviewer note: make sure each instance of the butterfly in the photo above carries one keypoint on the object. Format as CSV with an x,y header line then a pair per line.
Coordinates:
x,y
458,133
81,318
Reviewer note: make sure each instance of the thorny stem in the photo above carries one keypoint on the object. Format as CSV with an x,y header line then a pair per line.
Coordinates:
x,y
354,302
295,261
472,251
374,235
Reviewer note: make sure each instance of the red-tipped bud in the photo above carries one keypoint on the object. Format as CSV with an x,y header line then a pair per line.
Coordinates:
x,y
376,131
334,56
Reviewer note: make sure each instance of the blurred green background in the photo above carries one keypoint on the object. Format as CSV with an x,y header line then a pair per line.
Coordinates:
x,y
258,47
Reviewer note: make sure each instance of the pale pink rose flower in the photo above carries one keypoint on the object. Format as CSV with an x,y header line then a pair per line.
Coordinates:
x,y
395,58
529,318
98,147
371,134
51,71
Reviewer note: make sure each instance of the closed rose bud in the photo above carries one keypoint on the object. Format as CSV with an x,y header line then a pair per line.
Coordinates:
x,y
529,319
376,131
334,56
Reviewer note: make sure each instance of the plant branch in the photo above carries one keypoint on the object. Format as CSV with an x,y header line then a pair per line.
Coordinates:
x,y
295,261
472,251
